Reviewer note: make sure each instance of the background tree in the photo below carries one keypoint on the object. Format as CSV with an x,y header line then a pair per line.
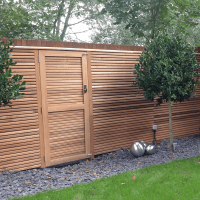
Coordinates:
x,y
14,20
9,84
185,20
46,19
167,66
145,18
106,32
105,19
85,11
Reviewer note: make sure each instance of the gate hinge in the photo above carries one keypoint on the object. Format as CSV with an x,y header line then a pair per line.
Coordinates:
x,y
41,109
44,158
89,154
85,54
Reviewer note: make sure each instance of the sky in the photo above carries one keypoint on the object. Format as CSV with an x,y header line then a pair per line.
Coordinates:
x,y
85,37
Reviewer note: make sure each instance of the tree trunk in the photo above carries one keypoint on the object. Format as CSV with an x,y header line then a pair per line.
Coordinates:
x,y
71,6
60,11
170,124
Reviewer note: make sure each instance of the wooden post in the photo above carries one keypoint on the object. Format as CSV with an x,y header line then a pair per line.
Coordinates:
x,y
90,104
39,100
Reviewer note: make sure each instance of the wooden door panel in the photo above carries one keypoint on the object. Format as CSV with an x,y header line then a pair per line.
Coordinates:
x,y
66,67
65,106
67,141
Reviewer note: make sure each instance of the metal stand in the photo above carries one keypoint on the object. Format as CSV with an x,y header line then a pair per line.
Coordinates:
x,y
174,146
154,137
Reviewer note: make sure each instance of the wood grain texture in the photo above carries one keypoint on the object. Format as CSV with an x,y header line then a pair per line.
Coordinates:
x,y
117,111
19,133
66,106
120,117
90,105
39,99
86,104
44,108
108,117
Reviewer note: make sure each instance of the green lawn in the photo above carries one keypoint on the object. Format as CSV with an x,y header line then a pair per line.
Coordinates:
x,y
177,180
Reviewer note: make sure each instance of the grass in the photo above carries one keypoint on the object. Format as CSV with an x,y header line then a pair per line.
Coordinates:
x,y
177,180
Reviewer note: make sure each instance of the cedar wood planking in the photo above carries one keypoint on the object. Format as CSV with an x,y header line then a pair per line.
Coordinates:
x,y
116,116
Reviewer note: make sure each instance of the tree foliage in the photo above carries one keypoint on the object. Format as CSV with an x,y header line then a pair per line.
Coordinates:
x,y
105,32
191,25
9,84
54,20
14,20
167,66
46,19
145,18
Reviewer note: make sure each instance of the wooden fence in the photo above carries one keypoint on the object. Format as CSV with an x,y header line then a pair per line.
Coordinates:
x,y
58,121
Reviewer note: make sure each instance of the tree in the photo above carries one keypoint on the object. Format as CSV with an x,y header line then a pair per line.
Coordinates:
x,y
85,11
191,35
46,19
14,20
167,66
105,32
108,32
9,84
145,18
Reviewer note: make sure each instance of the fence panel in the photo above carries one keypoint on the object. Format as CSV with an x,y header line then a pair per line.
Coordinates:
x,y
19,133
119,116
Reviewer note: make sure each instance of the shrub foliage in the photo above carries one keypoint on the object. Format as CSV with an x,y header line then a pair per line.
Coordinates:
x,y
167,66
10,84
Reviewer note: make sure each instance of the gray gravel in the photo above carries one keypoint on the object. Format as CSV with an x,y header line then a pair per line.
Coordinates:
x,y
15,184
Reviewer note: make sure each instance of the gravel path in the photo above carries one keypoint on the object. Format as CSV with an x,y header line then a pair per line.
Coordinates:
x,y
14,184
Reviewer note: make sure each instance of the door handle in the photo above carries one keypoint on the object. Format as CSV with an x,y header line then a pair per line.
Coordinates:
x,y
85,88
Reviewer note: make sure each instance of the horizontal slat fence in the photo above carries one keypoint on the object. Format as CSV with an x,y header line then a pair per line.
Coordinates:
x,y
19,133
119,116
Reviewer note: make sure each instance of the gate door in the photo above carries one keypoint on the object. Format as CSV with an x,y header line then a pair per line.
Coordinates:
x,y
65,106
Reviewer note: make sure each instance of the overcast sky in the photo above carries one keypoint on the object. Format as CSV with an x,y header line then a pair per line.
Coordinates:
x,y
85,37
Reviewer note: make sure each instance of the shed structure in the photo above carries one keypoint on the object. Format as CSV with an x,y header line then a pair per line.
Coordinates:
x,y
79,102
